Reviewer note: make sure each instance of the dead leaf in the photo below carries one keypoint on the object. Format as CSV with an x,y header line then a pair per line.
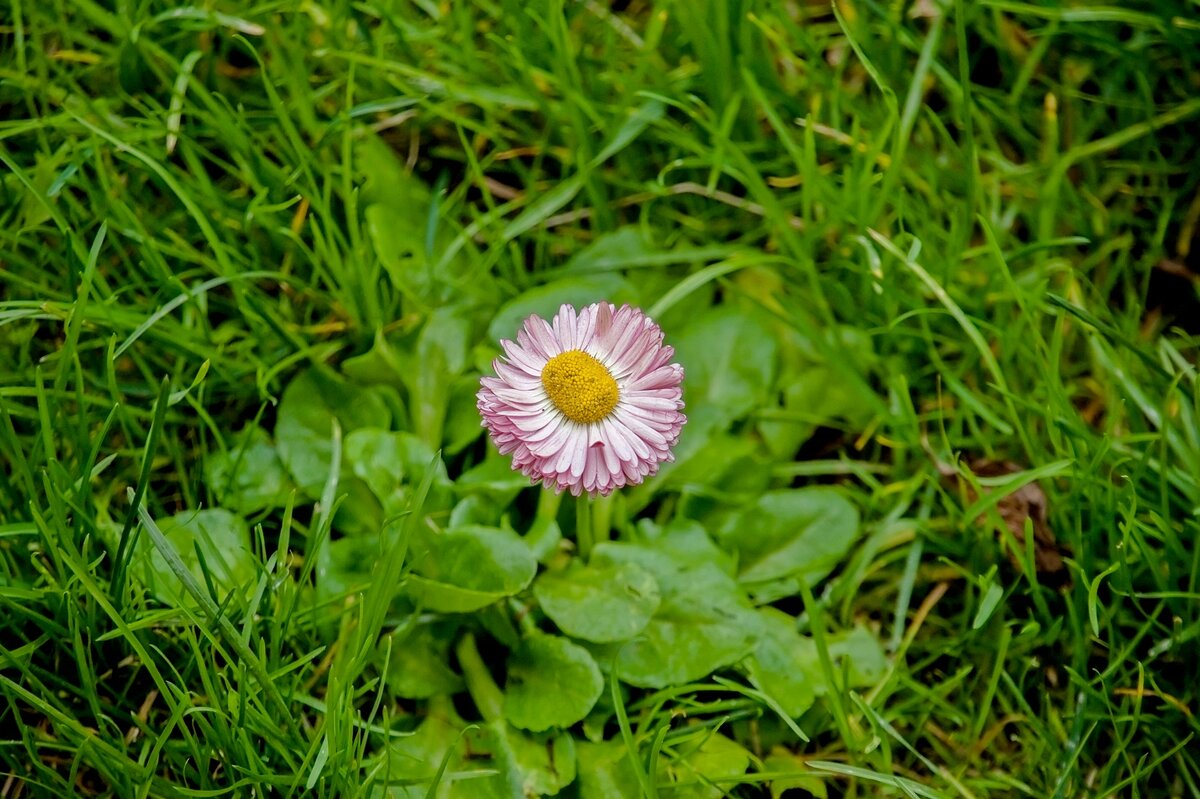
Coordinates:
x,y
924,9
1027,504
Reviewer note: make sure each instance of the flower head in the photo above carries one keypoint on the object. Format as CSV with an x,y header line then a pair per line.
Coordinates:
x,y
587,402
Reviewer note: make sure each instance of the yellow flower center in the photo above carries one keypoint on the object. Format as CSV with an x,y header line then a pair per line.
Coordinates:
x,y
580,386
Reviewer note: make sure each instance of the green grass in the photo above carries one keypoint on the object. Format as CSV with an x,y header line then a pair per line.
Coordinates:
x,y
893,243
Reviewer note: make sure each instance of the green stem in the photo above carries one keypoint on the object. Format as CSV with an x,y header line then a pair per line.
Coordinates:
x,y
524,617
816,623
601,517
583,527
548,502
480,685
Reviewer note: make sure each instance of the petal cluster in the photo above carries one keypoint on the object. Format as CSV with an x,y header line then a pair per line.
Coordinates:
x,y
625,446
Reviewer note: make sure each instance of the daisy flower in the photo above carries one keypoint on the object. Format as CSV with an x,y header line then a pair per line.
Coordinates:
x,y
587,402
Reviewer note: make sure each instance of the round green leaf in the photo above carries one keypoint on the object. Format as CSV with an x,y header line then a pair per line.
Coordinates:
x,y
374,457
605,770
730,358
304,430
462,415
344,566
390,463
601,602
215,535
418,667
493,478
545,763
380,365
304,426
866,663
551,683
249,476
488,761
716,760
469,568
702,625
799,533
785,665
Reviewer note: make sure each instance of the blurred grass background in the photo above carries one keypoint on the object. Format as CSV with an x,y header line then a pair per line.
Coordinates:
x,y
971,227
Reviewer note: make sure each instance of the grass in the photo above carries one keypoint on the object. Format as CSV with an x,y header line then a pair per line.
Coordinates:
x,y
937,259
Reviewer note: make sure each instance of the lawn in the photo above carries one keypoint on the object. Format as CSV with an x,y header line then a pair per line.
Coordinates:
x,y
932,272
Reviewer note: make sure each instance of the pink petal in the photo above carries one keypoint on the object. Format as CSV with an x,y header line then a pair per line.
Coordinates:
x,y
622,449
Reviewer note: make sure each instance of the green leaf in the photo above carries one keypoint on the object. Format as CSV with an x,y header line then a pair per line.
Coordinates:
x,y
493,478
695,632
419,666
785,665
551,683
219,537
384,460
566,189
702,624
671,550
716,758
605,771
410,763
415,456
475,509
729,461
546,299
637,120
397,207
305,422
546,204
781,761
729,357
522,764
816,393
601,602
543,539
865,661
380,365
484,762
987,605
630,247
469,568
799,533
360,512
133,70
462,415
249,476
546,763
621,249
374,457
346,567
303,430
441,354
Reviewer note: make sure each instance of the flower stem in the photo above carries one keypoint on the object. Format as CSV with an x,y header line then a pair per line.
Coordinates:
x,y
483,689
583,527
601,517
548,502
524,617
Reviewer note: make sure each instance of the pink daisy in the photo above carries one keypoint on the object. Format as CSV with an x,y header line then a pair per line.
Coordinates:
x,y
589,402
